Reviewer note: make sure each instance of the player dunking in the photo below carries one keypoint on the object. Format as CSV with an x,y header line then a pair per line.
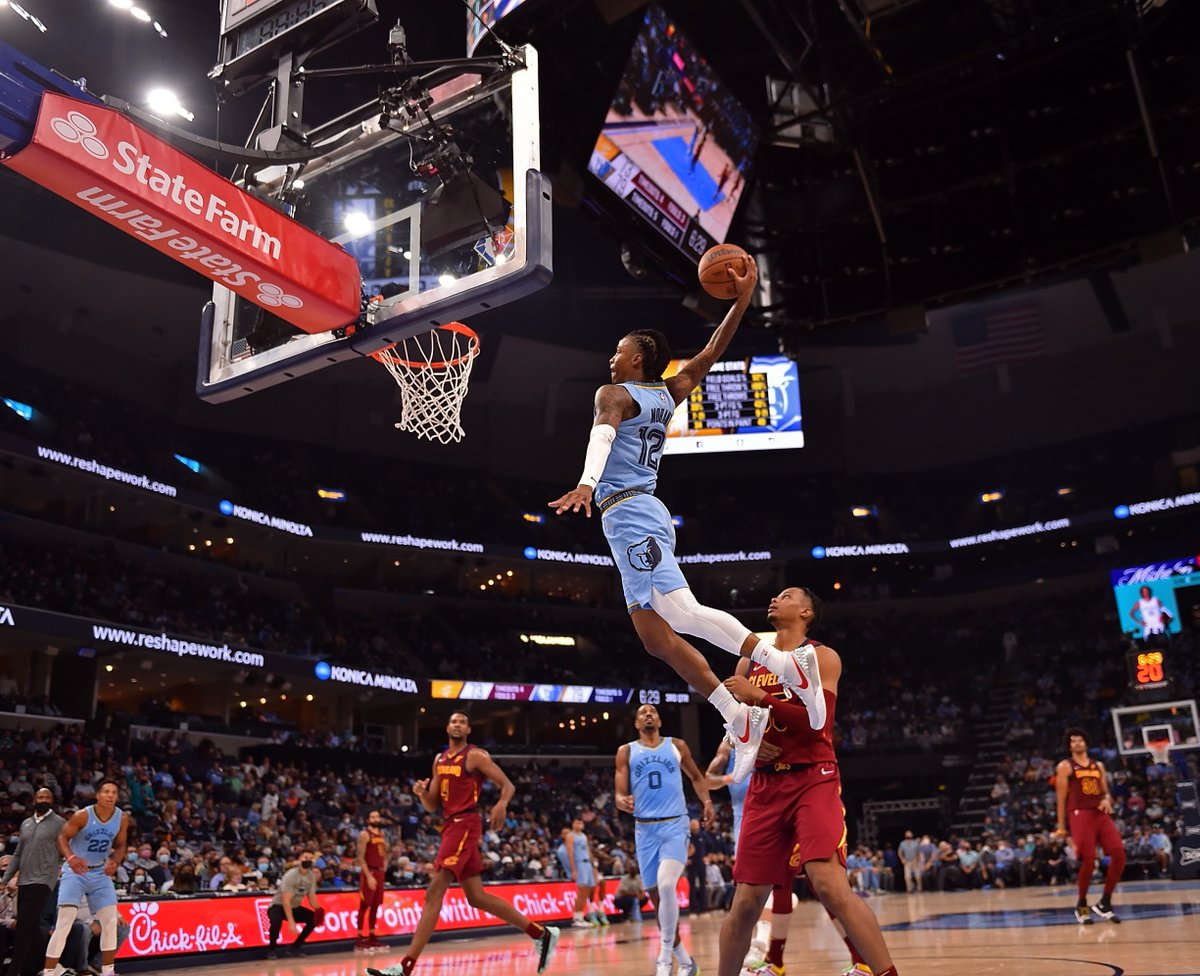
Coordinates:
x,y
93,842
621,473
371,859
649,785
457,773
794,819
1082,788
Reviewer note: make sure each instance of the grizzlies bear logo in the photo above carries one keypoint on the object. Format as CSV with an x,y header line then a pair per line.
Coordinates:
x,y
645,555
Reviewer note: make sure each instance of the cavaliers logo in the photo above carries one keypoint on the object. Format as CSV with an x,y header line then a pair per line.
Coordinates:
x,y
794,860
450,861
644,556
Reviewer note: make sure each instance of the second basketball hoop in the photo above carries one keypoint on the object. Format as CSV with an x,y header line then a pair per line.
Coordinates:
x,y
433,371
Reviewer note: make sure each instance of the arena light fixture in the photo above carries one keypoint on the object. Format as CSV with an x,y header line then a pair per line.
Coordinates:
x,y
139,14
163,101
22,410
358,223
991,497
188,463
864,511
1065,491
121,4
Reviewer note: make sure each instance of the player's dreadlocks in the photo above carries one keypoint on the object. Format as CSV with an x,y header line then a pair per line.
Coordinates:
x,y
655,350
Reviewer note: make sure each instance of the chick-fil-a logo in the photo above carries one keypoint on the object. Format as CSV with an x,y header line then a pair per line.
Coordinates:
x,y
146,938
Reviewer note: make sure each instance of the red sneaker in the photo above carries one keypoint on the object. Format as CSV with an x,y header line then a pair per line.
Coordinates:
x,y
362,944
374,943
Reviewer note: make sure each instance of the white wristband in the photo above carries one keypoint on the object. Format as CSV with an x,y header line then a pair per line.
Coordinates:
x,y
599,445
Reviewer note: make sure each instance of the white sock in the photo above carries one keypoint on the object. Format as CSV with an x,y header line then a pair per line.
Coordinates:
x,y
724,702
769,657
108,971
682,955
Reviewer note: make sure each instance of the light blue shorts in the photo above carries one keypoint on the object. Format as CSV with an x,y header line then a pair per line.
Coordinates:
x,y
658,842
95,885
642,539
584,876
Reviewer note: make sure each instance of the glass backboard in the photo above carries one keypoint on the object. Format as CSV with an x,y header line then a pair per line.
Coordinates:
x,y
1176,722
439,199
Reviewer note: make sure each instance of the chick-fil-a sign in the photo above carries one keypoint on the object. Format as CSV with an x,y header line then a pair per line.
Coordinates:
x,y
181,926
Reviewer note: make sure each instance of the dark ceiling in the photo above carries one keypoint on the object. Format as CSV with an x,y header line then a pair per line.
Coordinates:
x,y
945,146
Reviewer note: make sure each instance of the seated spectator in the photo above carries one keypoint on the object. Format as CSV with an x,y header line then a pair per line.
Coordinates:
x,y
630,894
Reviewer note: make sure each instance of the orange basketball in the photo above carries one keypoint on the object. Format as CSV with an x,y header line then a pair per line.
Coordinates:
x,y
713,270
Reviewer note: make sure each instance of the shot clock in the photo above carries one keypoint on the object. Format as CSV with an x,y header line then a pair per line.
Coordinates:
x,y
256,34
1148,671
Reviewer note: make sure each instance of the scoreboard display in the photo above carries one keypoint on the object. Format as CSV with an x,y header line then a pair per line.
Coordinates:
x,y
741,405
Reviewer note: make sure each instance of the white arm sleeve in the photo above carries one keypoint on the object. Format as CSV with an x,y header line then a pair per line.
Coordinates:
x,y
599,445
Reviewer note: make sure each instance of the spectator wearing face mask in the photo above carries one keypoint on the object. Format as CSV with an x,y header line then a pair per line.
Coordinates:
x,y
37,858
297,886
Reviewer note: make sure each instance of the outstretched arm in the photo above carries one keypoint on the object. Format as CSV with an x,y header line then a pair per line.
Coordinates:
x,y
695,369
613,404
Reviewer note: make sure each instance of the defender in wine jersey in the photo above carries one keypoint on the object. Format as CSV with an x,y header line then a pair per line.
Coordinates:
x,y
1082,788
372,862
93,843
649,785
621,473
794,820
458,772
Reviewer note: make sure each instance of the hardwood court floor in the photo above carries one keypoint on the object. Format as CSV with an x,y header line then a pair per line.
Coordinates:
x,y
1021,932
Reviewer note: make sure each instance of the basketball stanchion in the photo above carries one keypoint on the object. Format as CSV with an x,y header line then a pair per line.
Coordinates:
x,y
433,371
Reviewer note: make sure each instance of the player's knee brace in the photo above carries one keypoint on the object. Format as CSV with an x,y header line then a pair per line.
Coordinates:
x,y
107,917
686,615
62,929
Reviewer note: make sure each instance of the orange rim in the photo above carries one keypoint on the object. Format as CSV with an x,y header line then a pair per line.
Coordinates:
x,y
463,330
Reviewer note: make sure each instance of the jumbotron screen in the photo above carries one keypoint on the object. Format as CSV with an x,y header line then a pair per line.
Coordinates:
x,y
750,404
676,144
1155,600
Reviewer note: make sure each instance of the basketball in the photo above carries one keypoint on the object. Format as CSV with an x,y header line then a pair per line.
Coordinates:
x,y
713,270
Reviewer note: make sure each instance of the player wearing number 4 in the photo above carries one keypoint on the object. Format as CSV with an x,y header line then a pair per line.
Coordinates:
x,y
649,785
454,787
620,474
93,842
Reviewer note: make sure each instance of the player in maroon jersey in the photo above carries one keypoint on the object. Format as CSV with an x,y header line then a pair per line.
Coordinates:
x,y
372,863
1082,788
793,819
457,772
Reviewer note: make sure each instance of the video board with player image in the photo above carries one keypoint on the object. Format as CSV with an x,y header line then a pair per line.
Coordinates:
x,y
1154,600
676,144
483,15
750,404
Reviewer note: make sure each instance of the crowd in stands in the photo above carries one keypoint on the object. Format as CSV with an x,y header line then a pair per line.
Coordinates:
x,y
453,503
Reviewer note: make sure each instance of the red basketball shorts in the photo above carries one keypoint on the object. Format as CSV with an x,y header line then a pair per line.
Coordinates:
x,y
371,898
1092,827
789,819
459,853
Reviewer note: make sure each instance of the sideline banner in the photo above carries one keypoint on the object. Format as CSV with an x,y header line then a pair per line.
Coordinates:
x,y
177,927
98,159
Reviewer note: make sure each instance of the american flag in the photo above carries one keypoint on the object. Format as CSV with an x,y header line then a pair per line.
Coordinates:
x,y
991,337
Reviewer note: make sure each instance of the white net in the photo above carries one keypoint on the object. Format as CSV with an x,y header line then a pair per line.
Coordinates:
x,y
433,372
1160,751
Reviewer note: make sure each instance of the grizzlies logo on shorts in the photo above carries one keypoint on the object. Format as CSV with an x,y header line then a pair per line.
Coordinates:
x,y
644,556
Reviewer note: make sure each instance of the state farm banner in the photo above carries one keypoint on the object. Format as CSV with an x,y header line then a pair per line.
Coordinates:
x,y
101,161
177,927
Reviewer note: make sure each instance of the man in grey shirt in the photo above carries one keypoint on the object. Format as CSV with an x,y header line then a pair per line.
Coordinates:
x,y
910,855
38,861
296,887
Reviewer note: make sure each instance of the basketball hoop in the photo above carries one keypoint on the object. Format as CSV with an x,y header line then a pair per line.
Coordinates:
x,y
1160,751
432,371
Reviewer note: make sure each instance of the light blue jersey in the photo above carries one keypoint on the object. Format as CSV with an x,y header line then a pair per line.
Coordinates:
x,y
656,781
93,843
636,524
633,461
659,807
737,800
582,860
